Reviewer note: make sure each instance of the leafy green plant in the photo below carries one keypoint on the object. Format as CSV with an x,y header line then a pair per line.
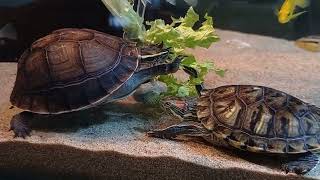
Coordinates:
x,y
131,22
179,35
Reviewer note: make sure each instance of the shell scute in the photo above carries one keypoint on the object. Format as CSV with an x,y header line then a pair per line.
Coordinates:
x,y
110,42
39,103
238,138
74,34
31,70
250,94
297,107
310,124
295,146
277,146
107,79
45,41
64,61
259,119
312,143
257,144
94,57
94,90
275,99
25,102
287,125
228,111
58,101
72,94
223,92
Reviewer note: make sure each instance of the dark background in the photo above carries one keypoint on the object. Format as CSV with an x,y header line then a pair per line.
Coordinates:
x,y
33,19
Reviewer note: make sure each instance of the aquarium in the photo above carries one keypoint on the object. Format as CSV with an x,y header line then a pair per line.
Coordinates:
x,y
159,89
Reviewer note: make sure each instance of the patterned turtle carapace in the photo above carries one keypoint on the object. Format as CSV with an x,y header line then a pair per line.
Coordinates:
x,y
75,69
260,118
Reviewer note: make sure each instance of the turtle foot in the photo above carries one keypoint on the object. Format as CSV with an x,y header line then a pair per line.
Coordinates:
x,y
19,125
301,165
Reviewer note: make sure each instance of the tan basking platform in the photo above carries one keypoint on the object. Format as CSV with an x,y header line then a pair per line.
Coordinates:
x,y
110,142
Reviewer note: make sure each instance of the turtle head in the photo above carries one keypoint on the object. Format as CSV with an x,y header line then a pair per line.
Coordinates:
x,y
184,109
154,54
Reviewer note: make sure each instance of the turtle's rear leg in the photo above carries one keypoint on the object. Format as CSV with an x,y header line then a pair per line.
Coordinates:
x,y
300,164
20,124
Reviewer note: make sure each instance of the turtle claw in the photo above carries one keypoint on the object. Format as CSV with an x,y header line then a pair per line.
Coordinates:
x,y
19,126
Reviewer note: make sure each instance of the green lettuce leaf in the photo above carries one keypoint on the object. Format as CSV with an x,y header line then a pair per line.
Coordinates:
x,y
180,35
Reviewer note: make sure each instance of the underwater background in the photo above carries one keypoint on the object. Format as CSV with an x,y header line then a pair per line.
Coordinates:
x,y
254,48
28,20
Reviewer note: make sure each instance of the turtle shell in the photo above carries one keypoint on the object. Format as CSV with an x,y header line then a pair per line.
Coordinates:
x,y
260,119
72,69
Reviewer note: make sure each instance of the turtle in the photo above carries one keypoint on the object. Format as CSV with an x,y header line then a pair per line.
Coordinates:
x,y
74,69
252,118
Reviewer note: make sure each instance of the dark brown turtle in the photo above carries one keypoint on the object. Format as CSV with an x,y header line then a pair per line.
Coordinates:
x,y
75,69
251,118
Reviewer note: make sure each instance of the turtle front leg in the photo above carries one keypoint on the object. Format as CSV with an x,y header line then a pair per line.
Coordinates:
x,y
300,164
19,124
185,128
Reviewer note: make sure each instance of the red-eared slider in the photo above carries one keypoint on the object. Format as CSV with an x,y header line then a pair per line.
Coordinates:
x,y
75,69
251,118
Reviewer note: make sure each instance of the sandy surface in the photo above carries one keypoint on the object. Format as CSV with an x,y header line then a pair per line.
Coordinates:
x,y
110,142
259,60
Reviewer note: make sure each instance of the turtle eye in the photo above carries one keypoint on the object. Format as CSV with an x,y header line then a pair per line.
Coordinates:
x,y
167,104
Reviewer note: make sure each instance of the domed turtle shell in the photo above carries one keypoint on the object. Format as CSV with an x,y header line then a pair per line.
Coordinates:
x,y
71,63
260,119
